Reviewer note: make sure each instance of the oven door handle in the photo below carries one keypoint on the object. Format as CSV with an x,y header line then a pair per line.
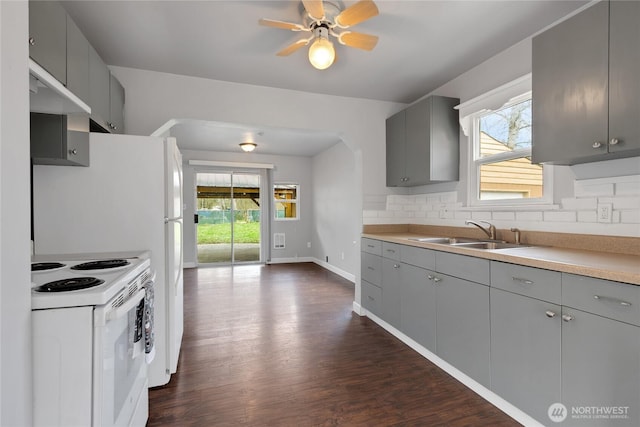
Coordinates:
x,y
127,306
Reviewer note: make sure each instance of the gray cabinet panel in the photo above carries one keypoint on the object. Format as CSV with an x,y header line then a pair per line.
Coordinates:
x,y
463,326
48,37
372,246
425,258
395,149
59,139
77,62
465,267
600,367
372,298
371,270
418,306
525,352
418,143
533,282
99,81
614,300
391,250
116,105
391,291
624,69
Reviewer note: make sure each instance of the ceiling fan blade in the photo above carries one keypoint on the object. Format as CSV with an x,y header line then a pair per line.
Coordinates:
x,y
293,47
314,8
358,40
359,12
281,24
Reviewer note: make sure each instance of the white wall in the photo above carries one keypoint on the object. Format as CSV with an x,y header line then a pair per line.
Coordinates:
x,y
15,294
287,169
577,189
337,207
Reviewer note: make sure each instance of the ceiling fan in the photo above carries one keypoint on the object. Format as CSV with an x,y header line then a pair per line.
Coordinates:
x,y
323,19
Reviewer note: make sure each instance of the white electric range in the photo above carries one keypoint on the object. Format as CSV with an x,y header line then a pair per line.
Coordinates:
x,y
90,316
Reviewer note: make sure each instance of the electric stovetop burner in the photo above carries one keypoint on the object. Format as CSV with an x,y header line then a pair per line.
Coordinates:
x,y
72,284
101,264
43,266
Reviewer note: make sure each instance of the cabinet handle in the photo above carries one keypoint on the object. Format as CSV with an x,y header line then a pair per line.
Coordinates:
x,y
371,268
522,280
396,265
437,279
614,300
370,246
567,317
430,277
391,250
32,41
371,298
596,144
550,314
614,141
74,151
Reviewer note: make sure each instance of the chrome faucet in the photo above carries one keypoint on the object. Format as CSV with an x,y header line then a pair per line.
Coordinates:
x,y
490,231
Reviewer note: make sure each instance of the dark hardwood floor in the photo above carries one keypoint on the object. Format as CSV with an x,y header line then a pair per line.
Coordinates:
x,y
279,345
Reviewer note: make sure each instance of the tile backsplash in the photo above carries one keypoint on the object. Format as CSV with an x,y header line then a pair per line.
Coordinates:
x,y
606,206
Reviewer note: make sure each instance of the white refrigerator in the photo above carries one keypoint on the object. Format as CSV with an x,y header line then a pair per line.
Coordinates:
x,y
129,198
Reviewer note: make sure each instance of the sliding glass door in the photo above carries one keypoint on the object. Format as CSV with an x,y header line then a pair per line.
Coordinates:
x,y
229,217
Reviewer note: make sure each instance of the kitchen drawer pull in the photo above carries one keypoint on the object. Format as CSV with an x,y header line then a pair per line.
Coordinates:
x,y
371,298
371,268
393,251
567,317
522,280
614,300
437,279
370,246
430,277
396,265
550,314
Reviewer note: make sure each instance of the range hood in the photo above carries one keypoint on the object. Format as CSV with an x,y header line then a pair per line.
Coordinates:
x,y
48,95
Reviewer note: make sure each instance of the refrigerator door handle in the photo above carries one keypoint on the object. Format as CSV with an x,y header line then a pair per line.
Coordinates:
x,y
174,219
179,221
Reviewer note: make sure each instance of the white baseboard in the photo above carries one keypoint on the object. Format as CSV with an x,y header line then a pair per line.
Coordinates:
x,y
189,265
350,277
481,390
290,260
357,309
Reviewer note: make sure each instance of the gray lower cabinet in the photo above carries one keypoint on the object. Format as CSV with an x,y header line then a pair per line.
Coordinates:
x,y
422,144
586,94
48,37
462,325
418,305
600,370
371,298
525,352
391,277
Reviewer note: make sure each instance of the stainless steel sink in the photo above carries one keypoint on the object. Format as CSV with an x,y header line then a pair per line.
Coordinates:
x,y
467,242
490,245
444,240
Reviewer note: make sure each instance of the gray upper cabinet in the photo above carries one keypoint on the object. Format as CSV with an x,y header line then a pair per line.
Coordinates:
x,y
77,62
99,79
59,139
48,37
586,94
116,105
423,143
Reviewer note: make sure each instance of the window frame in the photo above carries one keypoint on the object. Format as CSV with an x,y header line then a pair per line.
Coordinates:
x,y
476,162
295,201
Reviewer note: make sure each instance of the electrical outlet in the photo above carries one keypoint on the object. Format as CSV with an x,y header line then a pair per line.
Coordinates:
x,y
605,212
342,256
308,244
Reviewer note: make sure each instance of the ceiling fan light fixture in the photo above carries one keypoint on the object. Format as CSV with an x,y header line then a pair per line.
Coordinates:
x,y
322,53
247,147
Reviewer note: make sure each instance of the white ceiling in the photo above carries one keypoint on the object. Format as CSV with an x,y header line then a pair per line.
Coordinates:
x,y
423,44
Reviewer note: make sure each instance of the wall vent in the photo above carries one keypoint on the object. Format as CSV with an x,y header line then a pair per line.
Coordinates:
x,y
278,241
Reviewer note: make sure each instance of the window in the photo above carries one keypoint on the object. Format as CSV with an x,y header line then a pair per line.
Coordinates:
x,y
286,201
501,169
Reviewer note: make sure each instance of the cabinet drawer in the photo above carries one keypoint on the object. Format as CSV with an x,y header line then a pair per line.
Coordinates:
x,y
372,246
425,258
464,267
532,282
372,268
391,250
372,298
615,300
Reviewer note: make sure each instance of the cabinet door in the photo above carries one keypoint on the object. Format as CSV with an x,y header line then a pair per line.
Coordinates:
x,y
418,143
99,80
570,96
624,69
77,62
462,326
600,368
372,298
395,149
48,37
418,305
116,105
525,352
391,291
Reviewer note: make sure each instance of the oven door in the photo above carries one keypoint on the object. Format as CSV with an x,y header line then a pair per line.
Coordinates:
x,y
120,370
